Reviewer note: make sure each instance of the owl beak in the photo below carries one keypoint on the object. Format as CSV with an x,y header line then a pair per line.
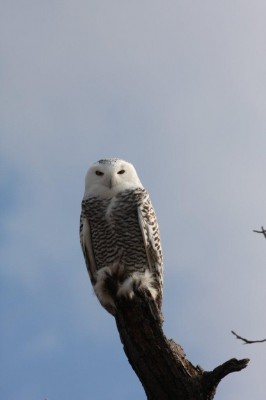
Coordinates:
x,y
110,183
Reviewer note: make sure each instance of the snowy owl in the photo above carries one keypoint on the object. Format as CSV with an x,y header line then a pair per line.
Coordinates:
x,y
119,234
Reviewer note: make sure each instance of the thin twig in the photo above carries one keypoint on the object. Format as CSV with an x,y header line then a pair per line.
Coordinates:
x,y
246,341
263,231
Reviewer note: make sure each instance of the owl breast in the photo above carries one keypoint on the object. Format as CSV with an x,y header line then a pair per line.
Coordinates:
x,y
115,231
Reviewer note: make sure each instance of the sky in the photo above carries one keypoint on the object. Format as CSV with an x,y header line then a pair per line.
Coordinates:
x,y
179,89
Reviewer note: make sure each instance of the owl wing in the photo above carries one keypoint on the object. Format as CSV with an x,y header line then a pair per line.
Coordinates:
x,y
152,242
86,244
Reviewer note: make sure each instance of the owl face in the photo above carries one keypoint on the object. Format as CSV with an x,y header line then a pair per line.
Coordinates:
x,y
107,177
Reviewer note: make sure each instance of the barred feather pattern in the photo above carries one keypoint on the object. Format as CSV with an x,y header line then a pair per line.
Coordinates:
x,y
124,229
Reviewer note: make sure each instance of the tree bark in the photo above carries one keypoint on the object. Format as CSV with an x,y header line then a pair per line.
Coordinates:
x,y
160,363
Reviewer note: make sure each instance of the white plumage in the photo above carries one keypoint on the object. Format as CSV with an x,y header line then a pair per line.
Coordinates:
x,y
119,234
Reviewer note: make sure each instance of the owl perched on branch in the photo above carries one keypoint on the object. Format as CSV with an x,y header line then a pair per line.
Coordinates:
x,y
119,235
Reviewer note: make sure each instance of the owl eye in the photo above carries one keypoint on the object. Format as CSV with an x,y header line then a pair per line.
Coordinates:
x,y
121,172
99,173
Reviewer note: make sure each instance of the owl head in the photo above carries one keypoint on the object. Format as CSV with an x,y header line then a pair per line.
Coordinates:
x,y
109,176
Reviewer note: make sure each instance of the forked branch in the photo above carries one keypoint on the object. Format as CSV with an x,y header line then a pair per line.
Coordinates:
x,y
263,231
160,363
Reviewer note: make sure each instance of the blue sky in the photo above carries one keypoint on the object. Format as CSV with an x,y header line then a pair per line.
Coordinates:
x,y
177,88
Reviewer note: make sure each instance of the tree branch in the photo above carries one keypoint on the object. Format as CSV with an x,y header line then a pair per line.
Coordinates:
x,y
263,231
160,363
246,341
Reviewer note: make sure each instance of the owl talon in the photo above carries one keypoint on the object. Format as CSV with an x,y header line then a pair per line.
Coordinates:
x,y
138,282
105,288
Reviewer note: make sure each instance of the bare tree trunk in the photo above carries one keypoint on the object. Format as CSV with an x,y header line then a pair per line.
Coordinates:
x,y
160,363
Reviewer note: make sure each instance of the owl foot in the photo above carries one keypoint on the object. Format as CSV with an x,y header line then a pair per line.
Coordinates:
x,y
138,281
107,283
110,285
